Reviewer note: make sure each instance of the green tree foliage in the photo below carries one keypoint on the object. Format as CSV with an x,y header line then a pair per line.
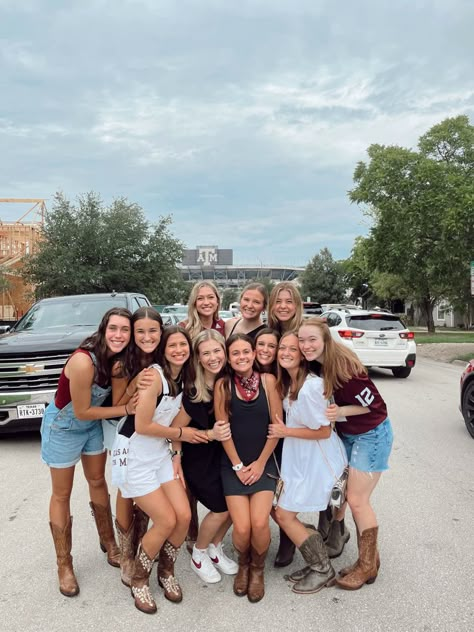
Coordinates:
x,y
421,204
324,279
90,247
229,295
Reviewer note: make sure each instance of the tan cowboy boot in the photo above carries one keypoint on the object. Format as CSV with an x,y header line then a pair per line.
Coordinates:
x,y
366,570
62,539
241,580
140,586
127,552
256,589
105,529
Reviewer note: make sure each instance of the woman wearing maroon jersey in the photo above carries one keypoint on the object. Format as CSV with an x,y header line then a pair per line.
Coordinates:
x,y
367,436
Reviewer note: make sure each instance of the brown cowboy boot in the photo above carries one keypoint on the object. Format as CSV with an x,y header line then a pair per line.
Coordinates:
x,y
127,552
286,551
105,529
256,589
301,573
141,520
337,538
166,578
241,580
348,569
62,539
321,572
366,570
140,587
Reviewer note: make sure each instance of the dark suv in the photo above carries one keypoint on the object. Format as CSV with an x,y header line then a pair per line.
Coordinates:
x,y
33,352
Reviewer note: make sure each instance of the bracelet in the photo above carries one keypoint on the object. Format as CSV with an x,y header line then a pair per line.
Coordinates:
x,y
238,466
126,411
180,433
176,453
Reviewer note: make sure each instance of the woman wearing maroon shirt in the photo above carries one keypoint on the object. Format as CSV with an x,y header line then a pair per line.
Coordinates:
x,y
367,436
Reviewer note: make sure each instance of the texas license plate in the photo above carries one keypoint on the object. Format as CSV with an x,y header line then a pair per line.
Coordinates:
x,y
381,342
26,411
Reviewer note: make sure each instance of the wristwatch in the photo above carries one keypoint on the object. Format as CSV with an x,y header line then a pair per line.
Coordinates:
x,y
238,467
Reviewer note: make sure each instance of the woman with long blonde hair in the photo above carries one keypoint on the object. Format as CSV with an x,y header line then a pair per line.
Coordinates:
x,y
367,435
285,307
203,309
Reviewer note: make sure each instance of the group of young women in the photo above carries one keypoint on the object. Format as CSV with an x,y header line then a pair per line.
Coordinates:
x,y
217,420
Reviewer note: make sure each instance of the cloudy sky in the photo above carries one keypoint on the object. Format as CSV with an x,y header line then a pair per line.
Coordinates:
x,y
244,120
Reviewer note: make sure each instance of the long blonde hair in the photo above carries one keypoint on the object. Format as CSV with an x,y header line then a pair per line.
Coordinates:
x,y
193,324
283,377
295,322
201,391
339,364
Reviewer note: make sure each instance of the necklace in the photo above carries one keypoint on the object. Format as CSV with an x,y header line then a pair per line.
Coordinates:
x,y
247,386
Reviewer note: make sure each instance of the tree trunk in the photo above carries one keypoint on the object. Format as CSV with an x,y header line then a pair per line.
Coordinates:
x,y
427,305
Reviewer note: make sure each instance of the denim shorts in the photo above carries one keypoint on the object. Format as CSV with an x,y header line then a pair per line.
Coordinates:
x,y
370,451
64,438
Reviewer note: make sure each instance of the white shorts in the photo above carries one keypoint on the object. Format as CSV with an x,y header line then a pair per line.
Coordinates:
x,y
149,465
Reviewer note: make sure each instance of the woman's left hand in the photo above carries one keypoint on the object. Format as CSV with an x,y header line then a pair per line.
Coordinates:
x,y
145,378
132,404
277,430
252,473
332,413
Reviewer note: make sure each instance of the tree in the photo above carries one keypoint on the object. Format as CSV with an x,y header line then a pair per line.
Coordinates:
x,y
229,295
92,248
421,204
323,279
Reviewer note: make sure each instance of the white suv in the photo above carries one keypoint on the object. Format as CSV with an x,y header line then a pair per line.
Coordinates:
x,y
379,338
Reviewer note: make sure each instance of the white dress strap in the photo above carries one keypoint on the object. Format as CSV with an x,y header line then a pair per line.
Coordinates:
x,y
164,381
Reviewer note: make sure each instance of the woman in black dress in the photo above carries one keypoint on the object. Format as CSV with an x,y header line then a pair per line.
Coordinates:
x,y
200,464
250,402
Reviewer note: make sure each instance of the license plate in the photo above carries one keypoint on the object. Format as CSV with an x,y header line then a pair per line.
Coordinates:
x,y
26,411
381,342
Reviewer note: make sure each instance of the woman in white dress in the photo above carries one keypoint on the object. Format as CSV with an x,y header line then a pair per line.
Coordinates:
x,y
313,457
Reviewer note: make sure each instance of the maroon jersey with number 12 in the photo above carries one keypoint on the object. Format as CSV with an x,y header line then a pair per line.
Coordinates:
x,y
360,391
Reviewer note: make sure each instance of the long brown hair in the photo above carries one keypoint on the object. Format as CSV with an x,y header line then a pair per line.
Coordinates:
x,y
187,371
295,322
273,368
283,377
339,364
135,360
229,371
97,345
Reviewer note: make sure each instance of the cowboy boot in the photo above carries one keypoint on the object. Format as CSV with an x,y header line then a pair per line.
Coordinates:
x,y
193,525
105,529
127,552
140,587
286,551
301,573
366,570
62,539
337,538
256,587
241,580
141,520
324,524
166,578
348,569
321,572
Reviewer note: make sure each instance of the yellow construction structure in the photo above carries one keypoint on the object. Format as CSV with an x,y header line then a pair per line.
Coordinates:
x,y
17,239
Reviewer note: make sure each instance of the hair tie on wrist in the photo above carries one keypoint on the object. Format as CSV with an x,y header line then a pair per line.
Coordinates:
x,y
180,433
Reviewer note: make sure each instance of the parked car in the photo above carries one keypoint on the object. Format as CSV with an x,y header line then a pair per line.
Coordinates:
x,y
378,337
225,314
170,319
33,352
467,397
311,309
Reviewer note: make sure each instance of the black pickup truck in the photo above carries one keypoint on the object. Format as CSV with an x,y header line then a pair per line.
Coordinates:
x,y
33,352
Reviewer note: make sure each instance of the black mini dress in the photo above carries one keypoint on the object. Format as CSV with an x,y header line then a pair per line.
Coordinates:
x,y
249,425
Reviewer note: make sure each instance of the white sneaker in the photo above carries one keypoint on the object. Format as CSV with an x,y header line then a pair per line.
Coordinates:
x,y
203,567
220,559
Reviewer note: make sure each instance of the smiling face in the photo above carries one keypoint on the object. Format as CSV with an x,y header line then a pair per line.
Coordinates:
x,y
177,350
241,357
311,342
289,354
147,334
266,349
117,334
252,304
285,307
206,301
211,357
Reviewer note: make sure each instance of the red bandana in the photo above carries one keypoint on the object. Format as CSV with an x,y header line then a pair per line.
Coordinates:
x,y
247,386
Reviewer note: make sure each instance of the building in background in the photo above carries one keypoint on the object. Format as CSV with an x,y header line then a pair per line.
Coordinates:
x,y
214,264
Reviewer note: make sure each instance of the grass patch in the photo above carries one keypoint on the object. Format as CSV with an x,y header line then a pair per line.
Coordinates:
x,y
427,338
465,357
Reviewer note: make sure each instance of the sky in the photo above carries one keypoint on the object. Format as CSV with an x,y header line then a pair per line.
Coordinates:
x,y
243,120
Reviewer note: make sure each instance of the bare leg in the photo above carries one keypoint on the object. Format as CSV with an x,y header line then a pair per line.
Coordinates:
x,y
59,506
211,529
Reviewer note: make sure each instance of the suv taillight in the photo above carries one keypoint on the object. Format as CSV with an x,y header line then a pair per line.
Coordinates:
x,y
350,333
407,335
